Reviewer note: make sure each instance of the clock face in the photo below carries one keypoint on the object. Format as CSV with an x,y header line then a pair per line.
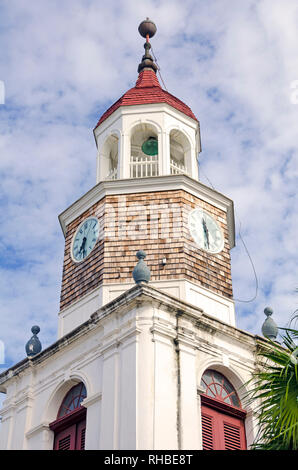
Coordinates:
x,y
84,239
205,231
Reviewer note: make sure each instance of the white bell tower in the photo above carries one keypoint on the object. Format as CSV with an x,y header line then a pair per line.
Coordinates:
x,y
148,144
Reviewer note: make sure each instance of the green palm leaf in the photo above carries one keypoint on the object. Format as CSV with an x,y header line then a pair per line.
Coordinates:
x,y
274,392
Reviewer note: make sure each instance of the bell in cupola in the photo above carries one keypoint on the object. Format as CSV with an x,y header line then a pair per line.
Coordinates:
x,y
150,146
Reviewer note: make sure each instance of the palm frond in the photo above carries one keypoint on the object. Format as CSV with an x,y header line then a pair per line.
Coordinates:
x,y
274,393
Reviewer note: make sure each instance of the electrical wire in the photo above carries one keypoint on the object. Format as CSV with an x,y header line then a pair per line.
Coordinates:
x,y
158,69
248,254
253,268
204,174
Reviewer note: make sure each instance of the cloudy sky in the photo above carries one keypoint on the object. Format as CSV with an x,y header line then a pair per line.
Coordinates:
x,y
64,62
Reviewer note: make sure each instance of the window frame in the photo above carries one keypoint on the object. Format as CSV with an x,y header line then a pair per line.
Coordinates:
x,y
222,414
73,422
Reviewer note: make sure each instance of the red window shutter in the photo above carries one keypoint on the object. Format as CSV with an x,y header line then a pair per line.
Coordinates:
x,y
221,431
65,440
81,432
207,432
233,433
232,437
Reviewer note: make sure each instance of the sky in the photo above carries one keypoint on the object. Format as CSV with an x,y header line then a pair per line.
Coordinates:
x,y
62,64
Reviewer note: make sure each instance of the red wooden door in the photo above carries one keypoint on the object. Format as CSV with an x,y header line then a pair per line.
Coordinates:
x,y
220,431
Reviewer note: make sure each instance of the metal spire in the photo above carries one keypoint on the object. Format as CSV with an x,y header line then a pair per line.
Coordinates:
x,y
147,29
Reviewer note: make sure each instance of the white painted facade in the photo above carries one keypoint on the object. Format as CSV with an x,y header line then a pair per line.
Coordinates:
x,y
128,355
213,304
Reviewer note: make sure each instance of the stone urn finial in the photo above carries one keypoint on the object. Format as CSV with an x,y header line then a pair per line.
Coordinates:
x,y
33,346
141,272
269,328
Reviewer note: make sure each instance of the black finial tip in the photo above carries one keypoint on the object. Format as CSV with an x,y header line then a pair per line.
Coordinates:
x,y
35,329
147,27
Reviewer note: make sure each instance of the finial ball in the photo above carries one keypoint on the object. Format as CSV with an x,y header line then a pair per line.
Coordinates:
x,y
147,27
268,311
35,329
141,254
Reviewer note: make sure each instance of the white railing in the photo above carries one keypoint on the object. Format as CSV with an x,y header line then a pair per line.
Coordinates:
x,y
176,167
143,165
112,175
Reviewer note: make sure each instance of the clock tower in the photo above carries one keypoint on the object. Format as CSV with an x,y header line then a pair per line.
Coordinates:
x,y
148,355
148,195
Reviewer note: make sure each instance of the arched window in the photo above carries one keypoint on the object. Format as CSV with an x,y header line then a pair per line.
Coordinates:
x,y
222,414
179,153
144,152
70,425
109,158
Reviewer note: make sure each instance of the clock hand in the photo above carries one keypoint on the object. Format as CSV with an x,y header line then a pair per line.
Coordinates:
x,y
88,230
83,245
206,232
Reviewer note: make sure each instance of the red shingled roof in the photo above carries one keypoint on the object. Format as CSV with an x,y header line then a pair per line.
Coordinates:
x,y
147,91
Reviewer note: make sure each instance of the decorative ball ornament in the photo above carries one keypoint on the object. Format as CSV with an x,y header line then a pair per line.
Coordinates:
x,y
141,272
150,146
147,27
33,346
269,328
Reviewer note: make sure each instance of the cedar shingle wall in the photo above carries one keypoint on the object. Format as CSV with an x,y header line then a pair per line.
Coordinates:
x,y
157,223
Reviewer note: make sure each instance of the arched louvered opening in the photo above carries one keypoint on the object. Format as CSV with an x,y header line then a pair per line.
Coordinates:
x,y
179,153
222,415
109,158
70,425
144,152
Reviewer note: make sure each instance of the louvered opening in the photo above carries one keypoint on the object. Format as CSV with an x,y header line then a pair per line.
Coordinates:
x,y
82,444
64,443
232,437
207,434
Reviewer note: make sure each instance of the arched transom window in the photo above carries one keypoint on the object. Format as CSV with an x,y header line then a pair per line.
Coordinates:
x,y
72,401
222,414
219,388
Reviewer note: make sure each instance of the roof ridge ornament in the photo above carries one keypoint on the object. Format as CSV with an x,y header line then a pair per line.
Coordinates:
x,y
33,346
141,272
147,29
269,327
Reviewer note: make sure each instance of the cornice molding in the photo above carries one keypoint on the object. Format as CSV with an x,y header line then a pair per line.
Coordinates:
x,y
143,109
128,300
36,429
89,401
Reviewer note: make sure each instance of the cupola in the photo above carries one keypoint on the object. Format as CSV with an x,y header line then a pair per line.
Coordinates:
x,y
147,132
